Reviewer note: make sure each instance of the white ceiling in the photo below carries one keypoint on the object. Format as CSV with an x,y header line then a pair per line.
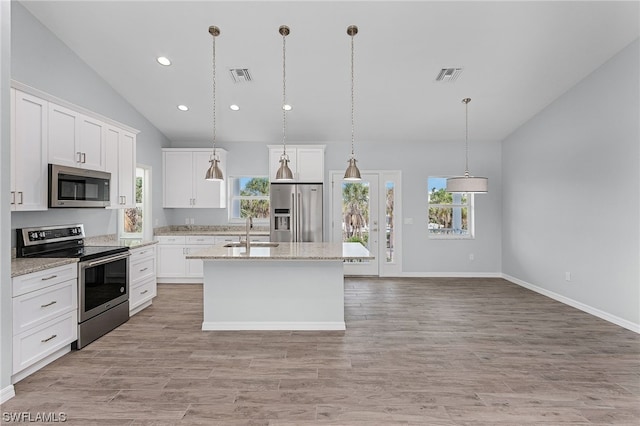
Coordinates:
x,y
517,58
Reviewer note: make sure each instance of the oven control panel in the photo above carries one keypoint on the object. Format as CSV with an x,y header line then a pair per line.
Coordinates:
x,y
50,234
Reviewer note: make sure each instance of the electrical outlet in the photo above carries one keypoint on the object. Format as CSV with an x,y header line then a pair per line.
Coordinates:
x,y
471,256
186,220
567,276
192,221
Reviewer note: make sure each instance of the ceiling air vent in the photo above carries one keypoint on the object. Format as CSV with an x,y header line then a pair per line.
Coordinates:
x,y
240,75
449,74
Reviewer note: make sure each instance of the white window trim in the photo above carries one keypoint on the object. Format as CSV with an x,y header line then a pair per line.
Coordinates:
x,y
470,219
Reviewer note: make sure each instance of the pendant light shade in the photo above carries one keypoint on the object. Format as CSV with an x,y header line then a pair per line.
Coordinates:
x,y
214,172
467,183
352,173
284,172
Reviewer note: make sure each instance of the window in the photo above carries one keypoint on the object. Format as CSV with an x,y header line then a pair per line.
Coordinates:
x,y
450,215
249,196
389,219
133,218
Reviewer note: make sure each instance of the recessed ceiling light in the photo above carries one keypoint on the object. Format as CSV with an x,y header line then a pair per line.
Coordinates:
x,y
234,107
287,107
183,108
163,61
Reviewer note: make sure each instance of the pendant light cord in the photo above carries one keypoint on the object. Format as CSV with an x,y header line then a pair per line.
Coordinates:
x,y
284,92
466,135
352,99
214,93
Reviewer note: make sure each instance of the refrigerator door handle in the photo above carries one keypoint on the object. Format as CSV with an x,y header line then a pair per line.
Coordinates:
x,y
294,225
299,217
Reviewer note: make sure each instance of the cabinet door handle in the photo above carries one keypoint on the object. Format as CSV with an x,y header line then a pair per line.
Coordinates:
x,y
21,198
143,292
13,197
124,199
84,157
49,278
79,154
143,269
53,302
49,338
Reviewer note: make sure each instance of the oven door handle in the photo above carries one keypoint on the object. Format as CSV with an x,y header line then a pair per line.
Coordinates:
x,y
106,260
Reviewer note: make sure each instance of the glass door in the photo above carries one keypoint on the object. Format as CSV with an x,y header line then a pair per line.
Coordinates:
x,y
355,218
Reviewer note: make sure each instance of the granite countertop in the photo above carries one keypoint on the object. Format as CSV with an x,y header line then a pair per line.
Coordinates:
x,y
112,240
286,251
235,230
24,265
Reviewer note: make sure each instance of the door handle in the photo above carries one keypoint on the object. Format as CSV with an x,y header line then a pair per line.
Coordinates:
x,y
13,197
53,302
53,336
21,198
84,157
79,154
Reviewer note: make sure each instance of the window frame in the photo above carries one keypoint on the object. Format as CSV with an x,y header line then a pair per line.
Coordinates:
x,y
469,205
232,198
142,205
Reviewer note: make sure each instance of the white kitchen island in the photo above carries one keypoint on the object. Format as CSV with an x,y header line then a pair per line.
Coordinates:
x,y
294,286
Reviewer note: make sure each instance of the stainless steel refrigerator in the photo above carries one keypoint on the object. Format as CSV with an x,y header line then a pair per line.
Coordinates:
x,y
296,212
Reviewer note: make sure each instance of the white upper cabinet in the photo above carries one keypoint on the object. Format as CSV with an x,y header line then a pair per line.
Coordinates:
x,y
29,174
305,161
184,185
75,139
121,163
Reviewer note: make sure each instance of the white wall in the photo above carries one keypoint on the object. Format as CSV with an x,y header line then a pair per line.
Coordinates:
x,y
39,59
6,332
571,194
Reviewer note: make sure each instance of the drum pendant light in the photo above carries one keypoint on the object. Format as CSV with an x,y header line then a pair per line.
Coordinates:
x,y
284,172
467,183
214,172
352,173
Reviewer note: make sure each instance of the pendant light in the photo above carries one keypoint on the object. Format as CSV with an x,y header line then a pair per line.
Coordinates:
x,y
214,172
352,173
467,183
284,172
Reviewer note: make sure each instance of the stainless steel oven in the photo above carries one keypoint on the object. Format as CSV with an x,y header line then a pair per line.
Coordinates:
x,y
103,276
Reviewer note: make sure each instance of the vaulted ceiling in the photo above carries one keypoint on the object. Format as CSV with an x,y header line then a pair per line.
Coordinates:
x,y
517,57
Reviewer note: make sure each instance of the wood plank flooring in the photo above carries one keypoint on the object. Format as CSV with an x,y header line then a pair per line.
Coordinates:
x,y
415,352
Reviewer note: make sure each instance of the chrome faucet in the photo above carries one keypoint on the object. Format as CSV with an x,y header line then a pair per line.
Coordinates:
x,y
249,228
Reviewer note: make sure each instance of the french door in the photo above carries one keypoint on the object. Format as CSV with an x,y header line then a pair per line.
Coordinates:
x,y
366,212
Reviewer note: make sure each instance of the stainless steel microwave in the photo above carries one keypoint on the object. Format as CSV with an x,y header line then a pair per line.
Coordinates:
x,y
73,187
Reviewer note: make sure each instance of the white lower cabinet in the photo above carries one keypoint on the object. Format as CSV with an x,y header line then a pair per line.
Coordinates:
x,y
45,317
142,278
173,266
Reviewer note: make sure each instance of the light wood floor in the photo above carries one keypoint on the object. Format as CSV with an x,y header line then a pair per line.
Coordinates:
x,y
416,351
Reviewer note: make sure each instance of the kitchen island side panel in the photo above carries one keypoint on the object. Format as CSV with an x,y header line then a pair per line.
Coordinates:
x,y
273,295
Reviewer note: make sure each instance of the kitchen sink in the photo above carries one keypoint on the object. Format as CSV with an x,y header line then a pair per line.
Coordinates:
x,y
252,244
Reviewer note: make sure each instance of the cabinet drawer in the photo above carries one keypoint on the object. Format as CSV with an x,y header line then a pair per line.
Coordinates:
x,y
37,307
35,344
142,269
35,281
141,253
226,238
166,239
142,292
201,239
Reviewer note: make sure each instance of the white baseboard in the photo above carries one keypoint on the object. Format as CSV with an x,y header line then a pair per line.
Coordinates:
x,y
574,303
7,393
451,275
272,325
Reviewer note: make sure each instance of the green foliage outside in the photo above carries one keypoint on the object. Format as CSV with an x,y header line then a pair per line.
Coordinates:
x,y
355,212
442,217
257,208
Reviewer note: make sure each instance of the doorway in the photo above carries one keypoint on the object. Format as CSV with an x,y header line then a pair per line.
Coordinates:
x,y
365,212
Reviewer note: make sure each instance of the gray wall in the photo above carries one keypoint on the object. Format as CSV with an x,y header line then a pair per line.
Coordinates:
x,y
40,60
421,256
6,331
571,189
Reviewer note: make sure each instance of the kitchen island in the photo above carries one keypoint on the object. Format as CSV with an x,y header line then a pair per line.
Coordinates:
x,y
291,286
